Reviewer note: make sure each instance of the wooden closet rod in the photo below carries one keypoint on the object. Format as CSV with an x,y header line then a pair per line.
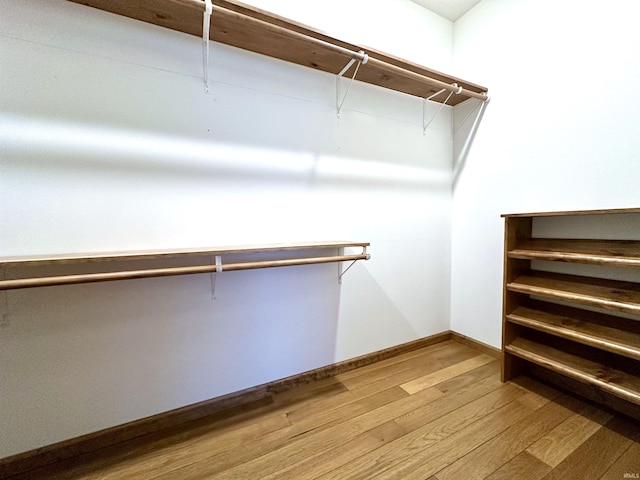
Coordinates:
x,y
344,51
165,272
431,81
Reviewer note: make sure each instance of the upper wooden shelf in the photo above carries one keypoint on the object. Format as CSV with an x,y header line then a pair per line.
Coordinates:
x,y
262,32
610,380
624,253
611,211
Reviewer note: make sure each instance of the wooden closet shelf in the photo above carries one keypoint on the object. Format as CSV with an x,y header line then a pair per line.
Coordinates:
x,y
613,381
607,294
573,324
207,267
610,211
171,253
255,30
600,252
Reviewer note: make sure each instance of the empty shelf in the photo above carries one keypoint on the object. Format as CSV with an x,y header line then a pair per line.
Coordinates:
x,y
171,253
572,324
607,294
208,266
258,31
599,252
613,381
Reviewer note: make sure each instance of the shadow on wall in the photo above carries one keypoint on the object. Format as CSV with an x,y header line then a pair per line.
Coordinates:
x,y
71,146
465,133
368,300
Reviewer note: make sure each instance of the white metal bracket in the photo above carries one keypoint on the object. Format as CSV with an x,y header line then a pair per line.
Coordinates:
x,y
341,272
206,25
361,59
4,304
425,124
214,275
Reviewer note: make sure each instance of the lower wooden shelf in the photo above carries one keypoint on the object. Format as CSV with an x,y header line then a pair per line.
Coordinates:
x,y
614,381
608,294
580,326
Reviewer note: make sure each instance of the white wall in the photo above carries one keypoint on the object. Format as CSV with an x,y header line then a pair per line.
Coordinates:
x,y
108,142
561,131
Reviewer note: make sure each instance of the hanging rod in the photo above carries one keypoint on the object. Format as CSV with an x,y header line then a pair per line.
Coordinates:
x,y
166,272
249,28
259,31
277,28
172,271
359,55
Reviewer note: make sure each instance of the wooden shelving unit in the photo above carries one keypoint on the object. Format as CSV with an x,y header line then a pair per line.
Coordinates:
x,y
578,332
255,30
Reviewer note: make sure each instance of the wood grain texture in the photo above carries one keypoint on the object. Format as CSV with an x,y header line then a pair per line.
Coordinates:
x,y
431,379
627,464
586,390
261,32
615,382
516,230
227,405
472,424
595,456
610,211
607,294
576,347
573,325
476,345
502,448
428,461
89,257
558,444
49,281
522,466
617,253
437,436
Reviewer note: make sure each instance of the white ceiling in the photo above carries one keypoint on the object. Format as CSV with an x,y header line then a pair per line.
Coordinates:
x,y
449,9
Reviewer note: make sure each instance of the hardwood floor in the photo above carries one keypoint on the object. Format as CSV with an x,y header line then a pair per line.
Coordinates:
x,y
439,413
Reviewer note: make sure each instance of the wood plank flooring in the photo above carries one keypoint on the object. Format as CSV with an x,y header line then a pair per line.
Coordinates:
x,y
439,413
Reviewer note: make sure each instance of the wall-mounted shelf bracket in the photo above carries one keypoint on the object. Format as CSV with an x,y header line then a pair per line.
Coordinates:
x,y
361,59
243,26
217,261
425,124
341,272
206,25
4,303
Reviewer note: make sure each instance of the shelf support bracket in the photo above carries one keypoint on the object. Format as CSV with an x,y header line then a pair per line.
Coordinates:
x,y
214,275
342,272
206,25
425,125
4,303
362,59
